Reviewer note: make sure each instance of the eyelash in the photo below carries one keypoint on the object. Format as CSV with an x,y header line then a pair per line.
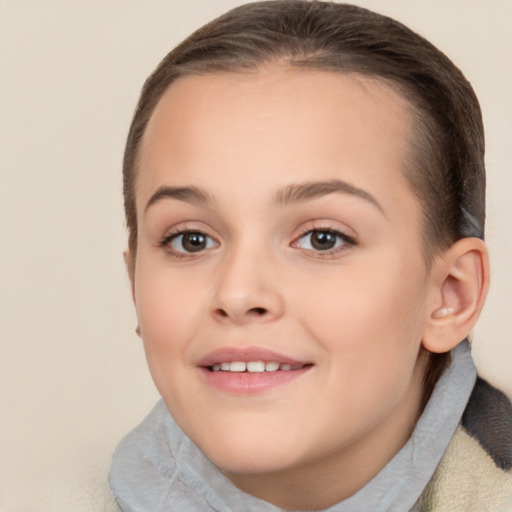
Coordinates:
x,y
167,240
347,242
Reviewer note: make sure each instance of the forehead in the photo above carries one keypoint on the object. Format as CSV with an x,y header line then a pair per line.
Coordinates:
x,y
277,126
296,95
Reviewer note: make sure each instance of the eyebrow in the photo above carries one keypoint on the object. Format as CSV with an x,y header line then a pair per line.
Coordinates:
x,y
295,193
189,194
312,190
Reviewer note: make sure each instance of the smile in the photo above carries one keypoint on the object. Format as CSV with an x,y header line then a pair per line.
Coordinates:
x,y
250,370
254,367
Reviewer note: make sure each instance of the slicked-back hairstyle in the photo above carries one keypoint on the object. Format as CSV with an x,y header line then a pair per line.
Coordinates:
x,y
446,162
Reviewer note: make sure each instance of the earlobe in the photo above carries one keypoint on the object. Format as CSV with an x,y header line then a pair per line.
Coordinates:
x,y
461,282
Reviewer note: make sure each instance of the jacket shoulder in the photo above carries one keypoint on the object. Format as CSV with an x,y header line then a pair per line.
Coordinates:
x,y
488,419
475,473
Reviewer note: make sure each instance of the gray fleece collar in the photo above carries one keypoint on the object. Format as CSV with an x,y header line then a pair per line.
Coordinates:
x,y
157,467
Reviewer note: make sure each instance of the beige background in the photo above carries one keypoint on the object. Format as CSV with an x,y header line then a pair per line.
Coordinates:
x,y
73,378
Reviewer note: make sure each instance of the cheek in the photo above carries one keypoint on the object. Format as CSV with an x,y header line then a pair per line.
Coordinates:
x,y
363,298
166,298
168,310
370,336
368,321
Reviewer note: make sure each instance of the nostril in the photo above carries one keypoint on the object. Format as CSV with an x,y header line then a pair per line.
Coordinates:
x,y
258,311
239,314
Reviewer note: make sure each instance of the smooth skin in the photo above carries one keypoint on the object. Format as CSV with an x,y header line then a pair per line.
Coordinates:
x,y
236,248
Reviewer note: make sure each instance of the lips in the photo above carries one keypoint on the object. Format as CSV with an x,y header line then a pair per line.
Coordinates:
x,y
249,370
253,366
248,355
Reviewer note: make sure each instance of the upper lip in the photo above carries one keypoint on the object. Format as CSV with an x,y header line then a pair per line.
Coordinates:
x,y
246,354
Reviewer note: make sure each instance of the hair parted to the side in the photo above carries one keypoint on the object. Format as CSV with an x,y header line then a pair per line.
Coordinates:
x,y
446,169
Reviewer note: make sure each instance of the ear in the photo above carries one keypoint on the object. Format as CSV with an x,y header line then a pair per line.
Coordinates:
x,y
460,281
129,262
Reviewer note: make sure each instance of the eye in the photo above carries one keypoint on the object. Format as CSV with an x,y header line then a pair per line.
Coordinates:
x,y
325,240
189,242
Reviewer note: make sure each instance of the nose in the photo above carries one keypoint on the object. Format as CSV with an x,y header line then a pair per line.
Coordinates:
x,y
247,289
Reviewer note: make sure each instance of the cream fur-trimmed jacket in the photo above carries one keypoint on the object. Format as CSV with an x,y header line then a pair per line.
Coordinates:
x,y
475,473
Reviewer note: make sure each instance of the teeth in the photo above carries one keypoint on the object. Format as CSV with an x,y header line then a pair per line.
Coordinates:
x,y
254,367
272,366
237,366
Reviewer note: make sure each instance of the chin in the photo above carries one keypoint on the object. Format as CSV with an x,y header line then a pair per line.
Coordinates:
x,y
250,453
250,464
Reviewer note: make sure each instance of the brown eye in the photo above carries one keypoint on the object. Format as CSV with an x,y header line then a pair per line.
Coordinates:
x,y
191,241
323,240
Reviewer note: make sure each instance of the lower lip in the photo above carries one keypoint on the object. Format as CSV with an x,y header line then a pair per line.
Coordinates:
x,y
250,383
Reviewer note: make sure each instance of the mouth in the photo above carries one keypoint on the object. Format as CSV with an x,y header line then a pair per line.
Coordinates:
x,y
250,370
254,367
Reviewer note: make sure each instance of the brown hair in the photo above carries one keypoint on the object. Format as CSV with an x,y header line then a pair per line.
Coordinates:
x,y
447,159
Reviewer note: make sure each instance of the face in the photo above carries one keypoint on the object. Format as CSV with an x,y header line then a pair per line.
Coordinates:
x,y
280,284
